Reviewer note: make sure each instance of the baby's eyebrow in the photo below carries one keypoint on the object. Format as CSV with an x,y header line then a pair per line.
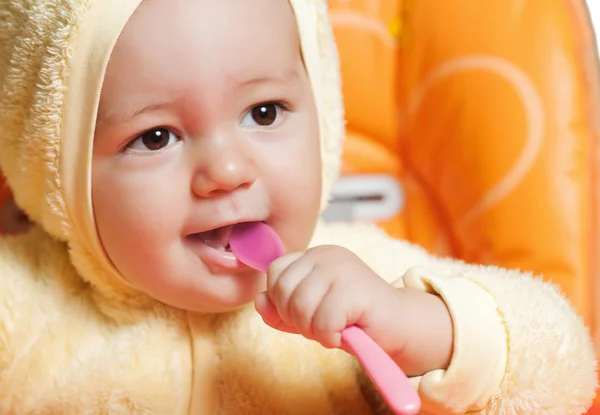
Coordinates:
x,y
116,116
284,78
111,116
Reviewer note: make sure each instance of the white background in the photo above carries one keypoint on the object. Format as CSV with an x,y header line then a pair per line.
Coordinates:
x,y
594,7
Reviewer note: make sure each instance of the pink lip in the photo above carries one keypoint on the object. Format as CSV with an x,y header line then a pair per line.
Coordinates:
x,y
214,257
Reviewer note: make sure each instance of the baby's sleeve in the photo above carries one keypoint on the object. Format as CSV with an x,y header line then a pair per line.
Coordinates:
x,y
519,347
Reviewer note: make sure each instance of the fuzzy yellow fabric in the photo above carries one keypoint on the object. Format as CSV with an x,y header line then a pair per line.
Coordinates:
x,y
77,338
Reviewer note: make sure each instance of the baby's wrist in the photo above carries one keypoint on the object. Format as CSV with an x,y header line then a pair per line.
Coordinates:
x,y
429,333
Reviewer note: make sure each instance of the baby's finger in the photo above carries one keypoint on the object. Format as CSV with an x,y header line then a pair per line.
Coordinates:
x,y
281,290
269,314
337,310
305,300
278,267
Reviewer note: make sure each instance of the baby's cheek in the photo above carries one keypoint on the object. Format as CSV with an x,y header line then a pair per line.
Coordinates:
x,y
296,213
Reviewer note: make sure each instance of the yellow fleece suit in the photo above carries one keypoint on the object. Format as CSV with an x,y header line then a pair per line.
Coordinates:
x,y
77,338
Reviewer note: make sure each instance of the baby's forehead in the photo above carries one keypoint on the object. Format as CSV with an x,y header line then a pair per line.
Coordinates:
x,y
170,47
216,21
172,35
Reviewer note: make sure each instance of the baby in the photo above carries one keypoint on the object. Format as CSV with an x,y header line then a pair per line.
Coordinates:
x,y
136,135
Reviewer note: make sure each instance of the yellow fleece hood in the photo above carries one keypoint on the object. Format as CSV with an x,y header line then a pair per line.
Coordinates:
x,y
53,58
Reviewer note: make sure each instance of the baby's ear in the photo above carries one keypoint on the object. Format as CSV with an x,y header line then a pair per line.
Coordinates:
x,y
12,219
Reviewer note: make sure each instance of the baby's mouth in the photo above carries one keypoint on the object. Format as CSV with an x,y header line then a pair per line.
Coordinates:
x,y
216,238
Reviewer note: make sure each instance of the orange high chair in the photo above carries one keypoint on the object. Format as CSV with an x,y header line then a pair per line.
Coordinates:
x,y
473,131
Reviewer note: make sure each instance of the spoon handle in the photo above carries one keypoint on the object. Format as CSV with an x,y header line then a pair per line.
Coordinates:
x,y
392,383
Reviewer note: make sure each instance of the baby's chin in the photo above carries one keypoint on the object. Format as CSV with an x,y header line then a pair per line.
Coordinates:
x,y
215,294
214,307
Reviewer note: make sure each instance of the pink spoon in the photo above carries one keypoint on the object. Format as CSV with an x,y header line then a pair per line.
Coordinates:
x,y
257,245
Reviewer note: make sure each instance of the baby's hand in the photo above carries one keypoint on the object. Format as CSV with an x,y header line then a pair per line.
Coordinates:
x,y
319,292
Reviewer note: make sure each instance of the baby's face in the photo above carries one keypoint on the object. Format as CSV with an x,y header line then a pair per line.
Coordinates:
x,y
206,119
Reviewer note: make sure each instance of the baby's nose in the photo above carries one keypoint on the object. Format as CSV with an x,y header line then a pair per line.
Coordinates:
x,y
224,168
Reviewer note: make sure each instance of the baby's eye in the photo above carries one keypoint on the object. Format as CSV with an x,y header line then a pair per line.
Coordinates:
x,y
154,140
263,115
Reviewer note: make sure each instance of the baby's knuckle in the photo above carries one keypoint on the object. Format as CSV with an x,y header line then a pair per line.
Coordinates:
x,y
283,288
298,307
322,324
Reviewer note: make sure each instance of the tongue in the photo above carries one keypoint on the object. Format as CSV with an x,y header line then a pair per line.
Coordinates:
x,y
217,238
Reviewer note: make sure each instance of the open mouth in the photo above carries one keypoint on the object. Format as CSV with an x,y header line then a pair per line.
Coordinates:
x,y
215,238
212,248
